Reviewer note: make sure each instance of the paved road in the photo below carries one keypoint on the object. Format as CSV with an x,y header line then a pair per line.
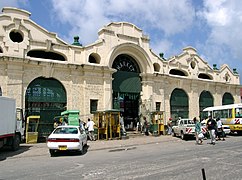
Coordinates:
x,y
169,158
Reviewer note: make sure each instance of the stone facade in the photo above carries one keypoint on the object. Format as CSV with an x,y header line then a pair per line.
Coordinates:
x,y
84,80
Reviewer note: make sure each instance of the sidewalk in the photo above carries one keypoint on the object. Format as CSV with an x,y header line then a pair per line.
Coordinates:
x,y
133,141
39,149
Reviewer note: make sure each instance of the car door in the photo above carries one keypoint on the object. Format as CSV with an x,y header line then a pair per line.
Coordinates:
x,y
83,136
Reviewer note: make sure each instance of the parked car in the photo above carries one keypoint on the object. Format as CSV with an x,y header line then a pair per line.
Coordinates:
x,y
67,138
226,129
183,128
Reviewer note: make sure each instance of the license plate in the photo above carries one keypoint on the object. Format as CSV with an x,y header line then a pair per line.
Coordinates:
x,y
62,148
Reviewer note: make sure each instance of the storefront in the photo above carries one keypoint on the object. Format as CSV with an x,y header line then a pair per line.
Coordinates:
x,y
118,71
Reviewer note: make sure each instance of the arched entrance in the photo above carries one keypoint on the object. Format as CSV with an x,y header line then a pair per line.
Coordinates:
x,y
126,89
0,91
179,104
227,99
45,97
205,100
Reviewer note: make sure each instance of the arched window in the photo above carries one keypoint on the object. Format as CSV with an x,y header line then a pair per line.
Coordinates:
x,y
126,63
156,67
177,72
45,55
94,58
204,76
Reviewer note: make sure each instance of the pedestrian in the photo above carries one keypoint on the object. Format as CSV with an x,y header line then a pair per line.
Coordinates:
x,y
90,127
122,124
65,122
169,128
82,125
220,129
140,127
211,126
198,131
55,124
146,127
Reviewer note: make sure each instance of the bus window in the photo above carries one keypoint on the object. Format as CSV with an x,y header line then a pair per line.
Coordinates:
x,y
224,113
216,114
230,113
238,113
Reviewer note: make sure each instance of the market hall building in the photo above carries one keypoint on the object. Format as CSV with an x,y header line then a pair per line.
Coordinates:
x,y
118,71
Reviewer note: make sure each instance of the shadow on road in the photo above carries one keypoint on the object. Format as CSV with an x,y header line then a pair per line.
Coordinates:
x,y
7,152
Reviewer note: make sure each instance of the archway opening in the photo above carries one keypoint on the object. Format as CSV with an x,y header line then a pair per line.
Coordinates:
x,y
205,100
179,106
126,89
45,97
227,99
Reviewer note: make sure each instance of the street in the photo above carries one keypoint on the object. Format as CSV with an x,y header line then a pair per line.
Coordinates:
x,y
175,159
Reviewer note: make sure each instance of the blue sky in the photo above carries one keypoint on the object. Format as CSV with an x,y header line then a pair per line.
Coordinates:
x,y
213,28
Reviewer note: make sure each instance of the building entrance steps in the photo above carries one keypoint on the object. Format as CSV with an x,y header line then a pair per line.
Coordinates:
x,y
133,134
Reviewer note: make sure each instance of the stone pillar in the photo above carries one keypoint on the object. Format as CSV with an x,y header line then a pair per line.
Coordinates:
x,y
194,101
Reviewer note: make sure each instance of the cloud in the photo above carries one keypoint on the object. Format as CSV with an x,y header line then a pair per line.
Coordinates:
x,y
87,17
224,18
162,46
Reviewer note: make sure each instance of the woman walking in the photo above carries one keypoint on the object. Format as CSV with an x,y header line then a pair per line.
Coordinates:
x,y
197,131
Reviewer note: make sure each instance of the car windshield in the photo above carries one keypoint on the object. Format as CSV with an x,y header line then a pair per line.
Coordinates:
x,y
66,130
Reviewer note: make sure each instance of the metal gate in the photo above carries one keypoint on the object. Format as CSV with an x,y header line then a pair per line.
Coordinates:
x,y
179,104
205,100
46,98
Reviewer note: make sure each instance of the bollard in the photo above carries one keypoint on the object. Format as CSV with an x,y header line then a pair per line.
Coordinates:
x,y
203,174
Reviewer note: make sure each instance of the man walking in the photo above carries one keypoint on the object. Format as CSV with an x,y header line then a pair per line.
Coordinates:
x,y
90,128
211,126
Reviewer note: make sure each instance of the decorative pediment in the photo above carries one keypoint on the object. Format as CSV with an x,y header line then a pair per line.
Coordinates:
x,y
123,30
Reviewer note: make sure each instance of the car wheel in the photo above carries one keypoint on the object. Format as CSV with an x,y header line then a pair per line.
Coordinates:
x,y
173,134
16,143
52,152
182,136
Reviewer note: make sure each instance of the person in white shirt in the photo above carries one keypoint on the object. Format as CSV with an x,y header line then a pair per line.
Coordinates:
x,y
122,124
219,129
90,128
